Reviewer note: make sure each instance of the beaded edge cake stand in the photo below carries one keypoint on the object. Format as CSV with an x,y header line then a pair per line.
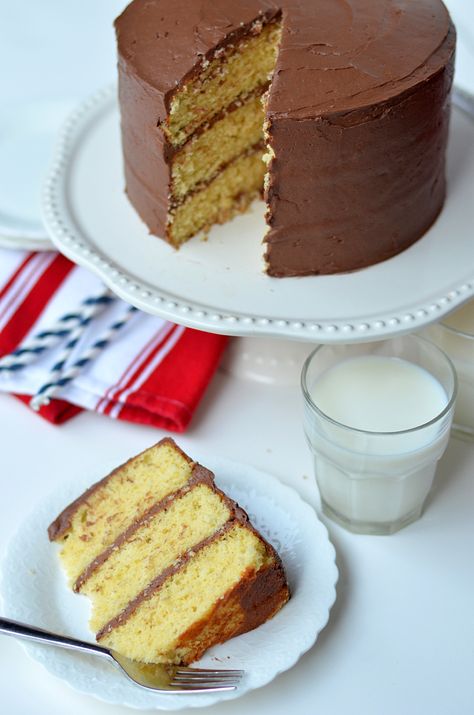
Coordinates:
x,y
218,285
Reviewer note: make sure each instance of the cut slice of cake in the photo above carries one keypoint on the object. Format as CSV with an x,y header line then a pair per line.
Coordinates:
x,y
171,564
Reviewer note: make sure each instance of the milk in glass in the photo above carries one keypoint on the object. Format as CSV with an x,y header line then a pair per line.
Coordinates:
x,y
376,455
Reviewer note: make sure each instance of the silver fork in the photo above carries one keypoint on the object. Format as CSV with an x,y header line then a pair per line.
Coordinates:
x,y
160,678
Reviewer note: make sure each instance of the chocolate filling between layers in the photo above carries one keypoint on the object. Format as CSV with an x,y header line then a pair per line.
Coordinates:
x,y
170,151
158,582
237,516
63,522
254,149
234,38
199,475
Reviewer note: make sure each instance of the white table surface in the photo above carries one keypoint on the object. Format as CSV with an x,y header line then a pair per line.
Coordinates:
x,y
400,640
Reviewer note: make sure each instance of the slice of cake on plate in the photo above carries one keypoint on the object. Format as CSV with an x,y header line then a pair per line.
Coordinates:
x,y
171,564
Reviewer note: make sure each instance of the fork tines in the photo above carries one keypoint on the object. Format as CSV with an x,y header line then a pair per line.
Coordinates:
x,y
202,678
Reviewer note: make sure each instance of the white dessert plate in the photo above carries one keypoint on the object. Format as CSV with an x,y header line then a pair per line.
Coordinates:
x,y
28,134
218,285
34,591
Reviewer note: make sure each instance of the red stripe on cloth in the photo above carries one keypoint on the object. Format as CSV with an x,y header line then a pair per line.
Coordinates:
x,y
163,383
12,280
170,395
162,339
34,303
127,377
163,349
22,285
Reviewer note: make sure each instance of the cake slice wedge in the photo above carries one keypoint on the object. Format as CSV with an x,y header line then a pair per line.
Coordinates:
x,y
171,564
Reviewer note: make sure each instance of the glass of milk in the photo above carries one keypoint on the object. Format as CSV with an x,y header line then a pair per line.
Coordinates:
x,y
377,418
455,335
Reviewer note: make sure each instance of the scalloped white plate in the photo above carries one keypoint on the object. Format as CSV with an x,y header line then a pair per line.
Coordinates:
x,y
34,591
218,285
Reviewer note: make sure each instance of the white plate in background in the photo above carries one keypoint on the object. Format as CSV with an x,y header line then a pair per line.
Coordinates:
x,y
47,67
28,134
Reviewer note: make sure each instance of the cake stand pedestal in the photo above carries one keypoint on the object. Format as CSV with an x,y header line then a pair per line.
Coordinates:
x,y
266,361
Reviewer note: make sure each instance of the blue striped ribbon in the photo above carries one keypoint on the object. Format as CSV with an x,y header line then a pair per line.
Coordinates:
x,y
70,322
57,380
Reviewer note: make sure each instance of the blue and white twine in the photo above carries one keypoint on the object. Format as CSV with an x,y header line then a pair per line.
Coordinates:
x,y
59,379
70,325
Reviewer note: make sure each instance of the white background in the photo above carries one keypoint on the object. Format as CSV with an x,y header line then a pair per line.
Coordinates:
x,y
401,636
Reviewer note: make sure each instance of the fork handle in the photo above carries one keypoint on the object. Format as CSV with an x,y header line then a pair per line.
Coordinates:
x,y
26,632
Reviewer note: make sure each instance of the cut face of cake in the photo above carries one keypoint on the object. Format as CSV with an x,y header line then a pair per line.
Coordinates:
x,y
171,564
338,110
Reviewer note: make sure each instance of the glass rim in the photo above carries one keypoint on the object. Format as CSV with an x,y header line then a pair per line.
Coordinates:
x,y
455,331
411,430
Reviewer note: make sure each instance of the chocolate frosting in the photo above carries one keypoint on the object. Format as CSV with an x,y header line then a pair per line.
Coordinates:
x,y
199,475
163,43
334,55
258,595
237,515
61,525
358,112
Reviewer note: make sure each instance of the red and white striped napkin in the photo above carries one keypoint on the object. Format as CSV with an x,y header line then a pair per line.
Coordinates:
x,y
153,372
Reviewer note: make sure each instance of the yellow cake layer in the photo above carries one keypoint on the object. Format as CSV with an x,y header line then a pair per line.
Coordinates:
x,y
229,137
151,634
151,549
230,192
126,495
233,74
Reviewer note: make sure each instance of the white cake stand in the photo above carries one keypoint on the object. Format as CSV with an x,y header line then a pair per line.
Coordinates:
x,y
218,285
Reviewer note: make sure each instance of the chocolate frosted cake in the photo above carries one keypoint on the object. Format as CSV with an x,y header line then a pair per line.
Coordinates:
x,y
171,564
347,102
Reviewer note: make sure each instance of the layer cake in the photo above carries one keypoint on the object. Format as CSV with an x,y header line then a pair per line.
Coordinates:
x,y
171,564
348,102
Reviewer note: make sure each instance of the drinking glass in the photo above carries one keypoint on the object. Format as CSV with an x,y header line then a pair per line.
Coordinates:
x,y
376,482
459,346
